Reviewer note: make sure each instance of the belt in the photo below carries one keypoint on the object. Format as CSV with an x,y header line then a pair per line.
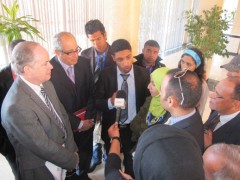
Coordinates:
x,y
122,126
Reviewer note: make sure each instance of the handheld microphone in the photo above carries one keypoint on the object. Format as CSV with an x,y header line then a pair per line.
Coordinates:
x,y
120,103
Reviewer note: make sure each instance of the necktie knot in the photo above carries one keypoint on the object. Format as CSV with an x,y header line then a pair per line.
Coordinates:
x,y
125,76
212,124
42,90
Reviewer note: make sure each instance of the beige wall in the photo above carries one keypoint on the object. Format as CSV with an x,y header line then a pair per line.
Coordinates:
x,y
122,21
236,22
208,4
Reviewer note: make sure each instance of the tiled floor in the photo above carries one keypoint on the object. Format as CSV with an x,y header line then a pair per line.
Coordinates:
x,y
171,61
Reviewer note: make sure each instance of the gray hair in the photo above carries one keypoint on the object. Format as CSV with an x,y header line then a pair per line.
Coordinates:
x,y
57,39
230,155
13,44
22,55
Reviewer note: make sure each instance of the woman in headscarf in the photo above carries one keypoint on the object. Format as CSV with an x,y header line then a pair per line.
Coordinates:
x,y
152,111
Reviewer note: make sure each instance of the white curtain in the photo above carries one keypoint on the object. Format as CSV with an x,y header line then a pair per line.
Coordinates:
x,y
164,22
56,16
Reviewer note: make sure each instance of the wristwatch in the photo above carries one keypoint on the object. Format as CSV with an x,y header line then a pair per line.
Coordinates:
x,y
116,137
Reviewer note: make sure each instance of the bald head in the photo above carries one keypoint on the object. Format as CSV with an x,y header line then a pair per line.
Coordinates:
x,y
222,161
23,54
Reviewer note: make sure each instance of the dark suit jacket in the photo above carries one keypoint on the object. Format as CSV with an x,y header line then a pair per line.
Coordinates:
x,y
229,132
90,54
33,130
107,85
6,80
74,97
194,126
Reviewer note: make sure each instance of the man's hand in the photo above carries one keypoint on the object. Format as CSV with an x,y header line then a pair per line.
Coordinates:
x,y
113,130
87,124
125,176
113,98
207,138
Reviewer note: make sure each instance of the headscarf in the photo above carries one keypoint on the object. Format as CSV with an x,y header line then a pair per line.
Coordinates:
x,y
155,105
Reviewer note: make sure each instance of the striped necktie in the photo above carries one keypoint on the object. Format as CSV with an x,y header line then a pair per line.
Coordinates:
x,y
53,111
99,66
124,87
212,123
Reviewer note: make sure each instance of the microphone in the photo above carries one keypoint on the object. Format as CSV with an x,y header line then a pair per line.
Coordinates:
x,y
120,103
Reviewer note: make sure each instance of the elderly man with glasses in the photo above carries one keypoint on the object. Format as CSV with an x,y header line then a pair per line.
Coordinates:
x,y
180,93
223,124
73,81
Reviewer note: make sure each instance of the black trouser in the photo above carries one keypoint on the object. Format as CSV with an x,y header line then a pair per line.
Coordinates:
x,y
127,145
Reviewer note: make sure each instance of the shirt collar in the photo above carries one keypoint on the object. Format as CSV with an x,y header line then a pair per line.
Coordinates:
x,y
175,120
130,72
65,66
103,54
226,118
35,87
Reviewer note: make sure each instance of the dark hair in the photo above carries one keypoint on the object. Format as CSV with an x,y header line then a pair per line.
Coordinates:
x,y
152,43
236,91
200,69
191,87
93,26
120,45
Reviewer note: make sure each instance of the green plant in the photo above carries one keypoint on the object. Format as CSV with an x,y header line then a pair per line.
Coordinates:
x,y
12,27
206,31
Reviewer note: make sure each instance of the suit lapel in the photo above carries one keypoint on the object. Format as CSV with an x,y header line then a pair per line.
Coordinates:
x,y
37,99
64,78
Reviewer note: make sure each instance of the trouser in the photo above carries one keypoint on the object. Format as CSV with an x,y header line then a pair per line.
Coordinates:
x,y
127,145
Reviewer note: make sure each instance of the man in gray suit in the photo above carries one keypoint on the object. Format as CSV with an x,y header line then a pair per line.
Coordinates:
x,y
35,120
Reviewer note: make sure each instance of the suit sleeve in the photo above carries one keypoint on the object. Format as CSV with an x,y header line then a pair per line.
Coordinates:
x,y
91,112
101,95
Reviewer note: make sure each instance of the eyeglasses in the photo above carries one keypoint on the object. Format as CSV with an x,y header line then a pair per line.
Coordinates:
x,y
78,50
178,75
216,95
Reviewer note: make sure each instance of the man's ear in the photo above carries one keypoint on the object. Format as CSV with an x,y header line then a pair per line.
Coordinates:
x,y
113,57
172,102
26,69
105,35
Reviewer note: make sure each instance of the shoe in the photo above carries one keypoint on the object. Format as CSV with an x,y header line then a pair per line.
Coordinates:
x,y
93,166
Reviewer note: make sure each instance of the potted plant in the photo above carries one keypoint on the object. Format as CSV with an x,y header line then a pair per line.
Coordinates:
x,y
12,27
206,31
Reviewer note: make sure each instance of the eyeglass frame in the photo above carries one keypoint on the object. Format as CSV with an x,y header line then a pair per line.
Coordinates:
x,y
179,81
77,50
219,96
